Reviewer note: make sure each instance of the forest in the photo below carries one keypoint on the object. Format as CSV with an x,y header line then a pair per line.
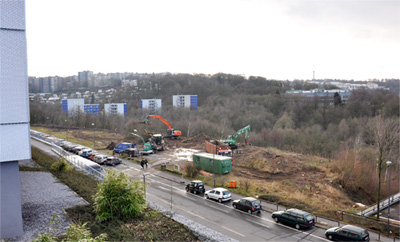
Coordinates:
x,y
346,133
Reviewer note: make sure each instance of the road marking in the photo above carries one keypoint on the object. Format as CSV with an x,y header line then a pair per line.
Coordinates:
x,y
194,200
233,231
252,221
196,215
164,188
202,217
219,209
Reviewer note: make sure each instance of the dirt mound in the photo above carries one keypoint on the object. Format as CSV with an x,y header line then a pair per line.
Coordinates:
x,y
111,146
195,142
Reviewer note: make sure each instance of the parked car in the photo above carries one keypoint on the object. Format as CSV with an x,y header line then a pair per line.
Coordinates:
x,y
77,149
347,233
93,154
294,217
248,204
112,161
83,151
220,194
88,153
100,159
70,147
195,186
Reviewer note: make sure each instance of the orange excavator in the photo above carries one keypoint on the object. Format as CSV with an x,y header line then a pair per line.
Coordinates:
x,y
172,133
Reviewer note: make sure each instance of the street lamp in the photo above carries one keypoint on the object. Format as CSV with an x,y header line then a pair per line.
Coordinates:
x,y
66,131
213,168
48,125
94,141
388,163
144,182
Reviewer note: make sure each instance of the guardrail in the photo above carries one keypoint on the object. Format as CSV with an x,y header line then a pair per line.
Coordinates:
x,y
383,204
74,160
77,161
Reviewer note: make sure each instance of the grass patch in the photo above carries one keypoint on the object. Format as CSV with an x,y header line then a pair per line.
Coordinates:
x,y
28,168
149,226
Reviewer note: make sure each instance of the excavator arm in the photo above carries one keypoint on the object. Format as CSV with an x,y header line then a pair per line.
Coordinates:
x,y
171,132
138,136
231,139
159,118
245,129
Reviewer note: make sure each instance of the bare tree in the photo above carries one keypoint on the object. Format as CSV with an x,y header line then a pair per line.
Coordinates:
x,y
383,135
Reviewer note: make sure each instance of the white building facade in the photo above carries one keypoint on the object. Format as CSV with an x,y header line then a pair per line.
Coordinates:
x,y
185,101
151,104
115,108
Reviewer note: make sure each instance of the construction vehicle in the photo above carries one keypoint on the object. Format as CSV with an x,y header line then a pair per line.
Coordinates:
x,y
218,148
157,141
171,132
147,148
231,139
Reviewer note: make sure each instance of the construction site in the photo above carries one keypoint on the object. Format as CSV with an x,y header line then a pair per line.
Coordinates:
x,y
292,179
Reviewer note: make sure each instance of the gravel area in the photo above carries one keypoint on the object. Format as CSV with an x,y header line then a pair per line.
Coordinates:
x,y
42,197
204,233
28,163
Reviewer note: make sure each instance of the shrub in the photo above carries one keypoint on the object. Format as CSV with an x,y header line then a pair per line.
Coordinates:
x,y
80,233
60,165
118,197
245,184
270,197
191,171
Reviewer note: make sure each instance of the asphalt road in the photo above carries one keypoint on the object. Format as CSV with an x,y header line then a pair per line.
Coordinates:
x,y
219,217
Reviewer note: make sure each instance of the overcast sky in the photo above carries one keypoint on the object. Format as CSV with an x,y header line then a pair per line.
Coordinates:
x,y
276,39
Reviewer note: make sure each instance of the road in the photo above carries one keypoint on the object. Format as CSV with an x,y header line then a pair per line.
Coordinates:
x,y
219,217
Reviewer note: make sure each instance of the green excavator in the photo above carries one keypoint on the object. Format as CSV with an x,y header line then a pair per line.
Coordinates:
x,y
147,147
231,139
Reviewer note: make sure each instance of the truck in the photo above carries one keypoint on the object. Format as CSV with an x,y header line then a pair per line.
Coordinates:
x,y
231,139
212,163
218,148
121,147
171,132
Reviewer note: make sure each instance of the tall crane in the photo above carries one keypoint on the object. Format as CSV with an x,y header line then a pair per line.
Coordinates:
x,y
171,132
231,139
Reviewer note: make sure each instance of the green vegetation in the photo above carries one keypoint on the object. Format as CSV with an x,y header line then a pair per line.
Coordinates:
x,y
118,197
149,225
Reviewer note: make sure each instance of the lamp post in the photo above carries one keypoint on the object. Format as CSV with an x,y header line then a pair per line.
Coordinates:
x,y
94,141
388,163
144,183
66,131
48,125
214,168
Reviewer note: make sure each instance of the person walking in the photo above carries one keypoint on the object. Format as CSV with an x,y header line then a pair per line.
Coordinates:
x,y
146,162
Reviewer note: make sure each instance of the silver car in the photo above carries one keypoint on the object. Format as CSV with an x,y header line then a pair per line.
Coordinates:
x,y
220,194
100,159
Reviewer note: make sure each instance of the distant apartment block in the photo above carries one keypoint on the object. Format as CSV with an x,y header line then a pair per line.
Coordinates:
x,y
115,108
72,105
151,104
327,94
91,108
185,101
